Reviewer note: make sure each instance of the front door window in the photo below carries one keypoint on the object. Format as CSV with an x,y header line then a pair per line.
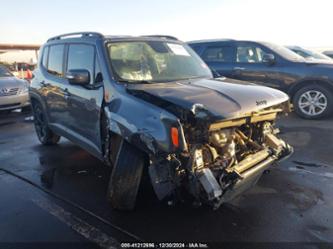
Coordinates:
x,y
249,54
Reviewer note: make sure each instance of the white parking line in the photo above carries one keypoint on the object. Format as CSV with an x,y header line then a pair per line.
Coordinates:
x,y
86,230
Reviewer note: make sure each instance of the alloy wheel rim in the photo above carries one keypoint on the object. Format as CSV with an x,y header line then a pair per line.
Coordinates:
x,y
312,103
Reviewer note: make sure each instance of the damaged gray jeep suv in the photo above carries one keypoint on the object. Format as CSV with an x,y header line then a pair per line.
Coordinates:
x,y
151,103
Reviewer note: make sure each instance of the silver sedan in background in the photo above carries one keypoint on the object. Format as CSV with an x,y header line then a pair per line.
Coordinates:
x,y
13,91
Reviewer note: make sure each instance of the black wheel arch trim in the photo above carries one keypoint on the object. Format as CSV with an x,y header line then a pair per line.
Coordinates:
x,y
38,98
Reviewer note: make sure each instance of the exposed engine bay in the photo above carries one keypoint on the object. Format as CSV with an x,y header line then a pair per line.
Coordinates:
x,y
223,160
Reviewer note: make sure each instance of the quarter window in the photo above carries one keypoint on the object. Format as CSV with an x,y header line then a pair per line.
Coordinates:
x,y
219,54
55,62
81,56
249,54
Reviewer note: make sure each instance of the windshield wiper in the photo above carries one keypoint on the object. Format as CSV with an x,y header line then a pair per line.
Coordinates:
x,y
158,81
134,81
193,78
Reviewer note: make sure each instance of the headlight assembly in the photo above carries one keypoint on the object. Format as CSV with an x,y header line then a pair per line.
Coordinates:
x,y
24,89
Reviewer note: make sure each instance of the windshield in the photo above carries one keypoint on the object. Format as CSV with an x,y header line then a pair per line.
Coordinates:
x,y
4,72
319,56
312,54
285,52
155,61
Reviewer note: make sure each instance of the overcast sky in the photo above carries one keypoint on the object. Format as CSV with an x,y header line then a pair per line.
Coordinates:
x,y
293,22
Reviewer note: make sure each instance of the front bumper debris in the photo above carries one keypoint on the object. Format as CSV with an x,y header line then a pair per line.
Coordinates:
x,y
229,161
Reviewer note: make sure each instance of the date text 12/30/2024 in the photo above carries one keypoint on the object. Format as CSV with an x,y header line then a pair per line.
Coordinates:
x,y
164,245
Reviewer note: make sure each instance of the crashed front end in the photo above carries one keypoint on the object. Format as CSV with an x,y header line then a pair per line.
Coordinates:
x,y
219,160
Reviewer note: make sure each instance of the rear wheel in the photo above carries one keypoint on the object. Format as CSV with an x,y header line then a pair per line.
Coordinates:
x,y
313,102
44,134
126,176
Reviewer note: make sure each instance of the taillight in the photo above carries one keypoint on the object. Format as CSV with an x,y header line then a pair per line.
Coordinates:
x,y
175,137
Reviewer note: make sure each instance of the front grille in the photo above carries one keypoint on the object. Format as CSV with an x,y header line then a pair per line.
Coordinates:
x,y
9,105
8,91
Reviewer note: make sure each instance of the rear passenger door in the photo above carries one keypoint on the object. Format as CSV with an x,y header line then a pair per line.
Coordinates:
x,y
53,87
84,102
221,58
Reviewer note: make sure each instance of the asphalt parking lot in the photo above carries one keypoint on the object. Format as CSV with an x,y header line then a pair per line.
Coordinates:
x,y
57,194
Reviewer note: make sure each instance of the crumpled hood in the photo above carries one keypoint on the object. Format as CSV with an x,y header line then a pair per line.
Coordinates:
x,y
220,99
11,82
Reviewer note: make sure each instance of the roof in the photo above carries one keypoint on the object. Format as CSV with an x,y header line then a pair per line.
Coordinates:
x,y
210,40
96,35
225,40
141,38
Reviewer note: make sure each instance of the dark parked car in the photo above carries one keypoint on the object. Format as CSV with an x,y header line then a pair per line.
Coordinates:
x,y
308,83
151,103
310,55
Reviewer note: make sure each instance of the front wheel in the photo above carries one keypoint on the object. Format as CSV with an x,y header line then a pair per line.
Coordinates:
x,y
44,134
126,176
313,102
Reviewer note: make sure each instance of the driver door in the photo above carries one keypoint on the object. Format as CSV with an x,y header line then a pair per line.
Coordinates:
x,y
249,65
85,102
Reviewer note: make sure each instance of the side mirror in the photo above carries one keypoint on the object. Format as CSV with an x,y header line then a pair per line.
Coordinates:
x,y
215,73
78,77
268,59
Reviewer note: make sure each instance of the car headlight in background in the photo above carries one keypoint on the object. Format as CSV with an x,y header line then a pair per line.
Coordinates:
x,y
24,89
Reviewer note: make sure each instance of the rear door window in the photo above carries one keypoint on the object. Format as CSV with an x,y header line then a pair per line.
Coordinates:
x,y
196,48
55,62
219,54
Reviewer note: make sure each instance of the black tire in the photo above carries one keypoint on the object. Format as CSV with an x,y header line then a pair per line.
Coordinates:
x,y
26,109
318,113
44,133
126,177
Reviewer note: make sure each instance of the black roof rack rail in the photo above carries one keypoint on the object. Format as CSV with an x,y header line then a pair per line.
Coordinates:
x,y
82,34
162,36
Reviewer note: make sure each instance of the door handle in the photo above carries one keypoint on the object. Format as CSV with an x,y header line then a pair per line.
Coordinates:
x,y
239,68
